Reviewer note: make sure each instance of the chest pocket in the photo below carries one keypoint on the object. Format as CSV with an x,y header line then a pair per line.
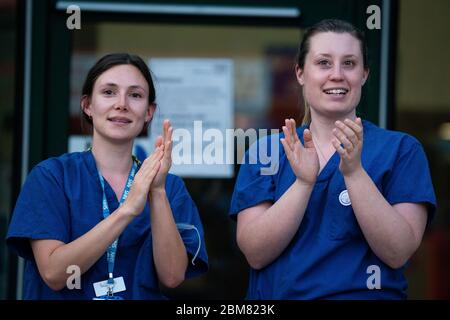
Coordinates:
x,y
343,223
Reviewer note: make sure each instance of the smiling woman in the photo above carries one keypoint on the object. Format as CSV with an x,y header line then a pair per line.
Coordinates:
x,y
333,74
334,211
338,48
126,226
129,92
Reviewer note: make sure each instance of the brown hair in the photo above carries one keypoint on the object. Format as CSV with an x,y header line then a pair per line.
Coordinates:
x,y
105,63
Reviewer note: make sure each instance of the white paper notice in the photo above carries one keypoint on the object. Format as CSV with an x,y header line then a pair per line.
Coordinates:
x,y
197,96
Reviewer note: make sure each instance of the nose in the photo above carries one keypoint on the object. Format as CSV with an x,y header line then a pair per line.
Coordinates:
x,y
122,102
336,73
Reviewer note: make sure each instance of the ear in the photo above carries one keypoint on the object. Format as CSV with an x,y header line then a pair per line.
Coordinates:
x,y
365,76
150,111
86,105
299,74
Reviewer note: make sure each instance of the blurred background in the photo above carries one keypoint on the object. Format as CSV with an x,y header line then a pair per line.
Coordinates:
x,y
43,65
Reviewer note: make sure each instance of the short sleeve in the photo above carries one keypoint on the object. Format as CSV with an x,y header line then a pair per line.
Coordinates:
x,y
189,225
41,212
410,179
255,182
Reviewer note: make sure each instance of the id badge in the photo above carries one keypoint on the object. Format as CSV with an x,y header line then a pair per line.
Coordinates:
x,y
101,287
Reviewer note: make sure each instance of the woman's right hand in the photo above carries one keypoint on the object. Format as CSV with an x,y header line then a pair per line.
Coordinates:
x,y
138,195
302,158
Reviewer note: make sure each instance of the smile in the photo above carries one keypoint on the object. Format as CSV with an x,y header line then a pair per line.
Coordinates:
x,y
120,120
340,91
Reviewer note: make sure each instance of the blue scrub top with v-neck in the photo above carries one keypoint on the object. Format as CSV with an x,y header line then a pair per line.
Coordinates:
x,y
328,257
62,200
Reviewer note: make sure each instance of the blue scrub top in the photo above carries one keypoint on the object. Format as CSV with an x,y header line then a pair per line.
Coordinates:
x,y
328,258
62,200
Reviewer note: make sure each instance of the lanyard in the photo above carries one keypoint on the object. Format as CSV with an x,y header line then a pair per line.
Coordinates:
x,y
111,253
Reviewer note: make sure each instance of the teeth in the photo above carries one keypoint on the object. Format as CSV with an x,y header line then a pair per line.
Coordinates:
x,y
336,91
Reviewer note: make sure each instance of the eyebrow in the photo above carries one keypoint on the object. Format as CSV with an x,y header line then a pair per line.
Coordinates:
x,y
137,87
329,55
110,84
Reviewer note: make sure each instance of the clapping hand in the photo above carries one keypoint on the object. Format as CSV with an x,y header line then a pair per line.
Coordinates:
x,y
302,158
164,142
348,142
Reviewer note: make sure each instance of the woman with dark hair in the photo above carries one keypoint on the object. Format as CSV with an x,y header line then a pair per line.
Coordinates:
x,y
99,224
337,220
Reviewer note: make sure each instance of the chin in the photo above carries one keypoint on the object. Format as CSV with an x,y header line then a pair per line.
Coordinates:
x,y
337,111
121,137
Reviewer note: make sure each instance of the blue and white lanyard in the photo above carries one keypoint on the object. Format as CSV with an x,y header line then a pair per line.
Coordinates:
x,y
111,253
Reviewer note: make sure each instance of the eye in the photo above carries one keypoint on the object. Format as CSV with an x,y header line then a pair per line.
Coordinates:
x,y
136,95
324,62
108,92
349,63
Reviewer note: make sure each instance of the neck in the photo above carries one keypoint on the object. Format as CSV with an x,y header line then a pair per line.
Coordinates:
x,y
112,157
321,127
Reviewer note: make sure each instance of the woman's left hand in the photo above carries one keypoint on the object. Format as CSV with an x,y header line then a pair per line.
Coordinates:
x,y
159,181
348,142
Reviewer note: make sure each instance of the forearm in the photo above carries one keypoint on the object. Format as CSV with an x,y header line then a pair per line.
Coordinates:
x,y
86,250
388,234
169,252
264,238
